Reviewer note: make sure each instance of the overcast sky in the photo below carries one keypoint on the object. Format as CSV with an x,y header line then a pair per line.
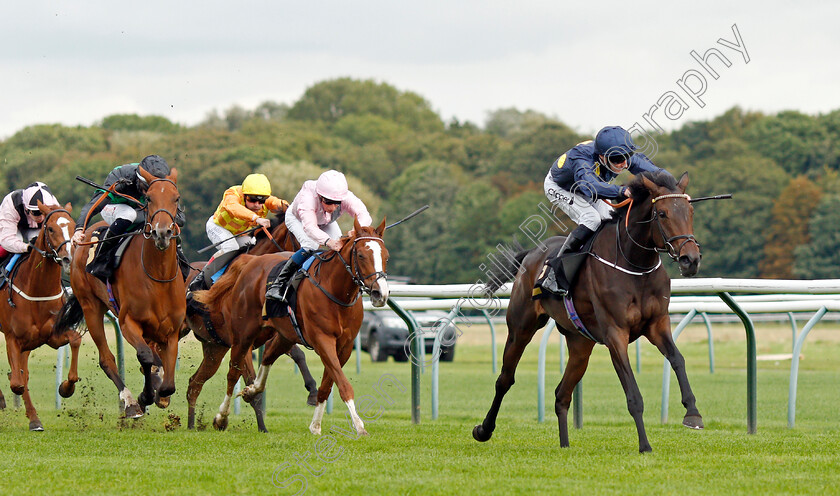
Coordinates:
x,y
589,64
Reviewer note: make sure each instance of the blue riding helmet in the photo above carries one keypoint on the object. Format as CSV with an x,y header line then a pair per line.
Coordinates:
x,y
614,140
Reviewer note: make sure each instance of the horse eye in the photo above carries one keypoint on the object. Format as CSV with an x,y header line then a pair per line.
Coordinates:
x,y
662,214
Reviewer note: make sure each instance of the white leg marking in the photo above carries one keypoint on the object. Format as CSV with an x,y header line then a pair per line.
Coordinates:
x,y
357,421
125,395
315,426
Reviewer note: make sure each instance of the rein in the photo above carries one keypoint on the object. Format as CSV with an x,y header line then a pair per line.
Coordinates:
x,y
669,248
354,271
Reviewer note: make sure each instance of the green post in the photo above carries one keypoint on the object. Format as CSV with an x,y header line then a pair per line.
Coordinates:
x,y
752,383
413,332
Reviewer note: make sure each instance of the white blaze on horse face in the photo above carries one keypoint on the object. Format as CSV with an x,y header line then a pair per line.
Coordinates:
x,y
379,266
65,228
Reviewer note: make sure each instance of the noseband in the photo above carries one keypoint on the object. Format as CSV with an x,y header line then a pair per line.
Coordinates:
x,y
147,228
670,249
355,272
51,253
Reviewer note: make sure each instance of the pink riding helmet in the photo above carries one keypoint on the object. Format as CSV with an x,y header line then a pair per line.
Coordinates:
x,y
332,185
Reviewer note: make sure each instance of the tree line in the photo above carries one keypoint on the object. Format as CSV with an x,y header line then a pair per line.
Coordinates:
x,y
481,182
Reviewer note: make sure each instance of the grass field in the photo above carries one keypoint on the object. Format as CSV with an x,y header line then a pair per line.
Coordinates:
x,y
87,449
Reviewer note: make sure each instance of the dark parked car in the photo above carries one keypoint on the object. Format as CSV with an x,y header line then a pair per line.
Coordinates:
x,y
384,334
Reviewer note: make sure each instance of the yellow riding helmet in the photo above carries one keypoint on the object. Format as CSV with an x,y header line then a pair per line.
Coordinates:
x,y
257,185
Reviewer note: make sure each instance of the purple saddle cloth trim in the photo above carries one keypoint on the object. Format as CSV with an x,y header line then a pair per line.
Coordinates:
x,y
575,318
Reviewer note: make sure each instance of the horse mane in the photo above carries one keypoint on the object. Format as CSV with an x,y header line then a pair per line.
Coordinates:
x,y
663,179
507,268
216,294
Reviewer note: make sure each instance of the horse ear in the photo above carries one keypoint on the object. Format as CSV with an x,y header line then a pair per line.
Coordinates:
x,y
381,229
356,226
68,207
683,182
650,185
173,175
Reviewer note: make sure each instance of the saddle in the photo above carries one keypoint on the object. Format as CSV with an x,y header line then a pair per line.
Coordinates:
x,y
109,254
564,269
274,308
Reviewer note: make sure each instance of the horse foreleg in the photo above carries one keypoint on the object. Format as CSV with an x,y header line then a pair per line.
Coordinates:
x,y
580,349
237,359
323,393
308,381
518,338
16,380
31,414
274,348
333,358
68,387
212,359
664,342
133,333
169,357
2,400
617,341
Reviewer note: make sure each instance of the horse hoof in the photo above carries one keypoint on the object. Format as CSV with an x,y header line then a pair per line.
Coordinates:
x,y
220,423
363,432
645,449
67,389
18,390
35,426
133,411
312,400
2,403
162,402
144,400
248,394
481,435
693,422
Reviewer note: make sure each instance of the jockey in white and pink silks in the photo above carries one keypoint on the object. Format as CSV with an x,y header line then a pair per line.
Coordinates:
x,y
312,219
20,219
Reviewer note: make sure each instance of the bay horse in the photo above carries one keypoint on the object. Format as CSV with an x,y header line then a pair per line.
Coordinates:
x,y
622,293
215,342
329,312
35,295
146,293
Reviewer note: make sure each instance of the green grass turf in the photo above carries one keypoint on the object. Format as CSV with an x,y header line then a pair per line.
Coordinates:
x,y
87,449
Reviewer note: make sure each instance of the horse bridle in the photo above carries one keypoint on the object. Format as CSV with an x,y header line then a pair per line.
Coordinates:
x,y
176,229
670,249
355,273
51,253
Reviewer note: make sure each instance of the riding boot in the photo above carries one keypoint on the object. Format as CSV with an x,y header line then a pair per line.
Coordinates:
x,y
279,288
204,279
103,264
553,279
576,240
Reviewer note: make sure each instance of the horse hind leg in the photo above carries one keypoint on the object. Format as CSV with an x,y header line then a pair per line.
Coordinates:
x,y
580,349
237,359
68,387
212,359
519,335
308,381
34,422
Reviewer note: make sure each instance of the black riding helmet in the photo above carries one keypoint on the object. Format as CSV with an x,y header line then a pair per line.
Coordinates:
x,y
154,165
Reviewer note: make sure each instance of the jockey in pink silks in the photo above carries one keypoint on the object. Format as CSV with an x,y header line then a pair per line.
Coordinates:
x,y
312,219
20,219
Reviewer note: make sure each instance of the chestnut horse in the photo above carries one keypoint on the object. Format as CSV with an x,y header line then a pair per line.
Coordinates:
x,y
328,311
148,296
35,294
215,344
622,293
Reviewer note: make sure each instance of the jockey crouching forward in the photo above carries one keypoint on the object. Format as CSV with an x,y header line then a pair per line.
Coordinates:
x,y
120,213
242,207
580,178
312,219
20,218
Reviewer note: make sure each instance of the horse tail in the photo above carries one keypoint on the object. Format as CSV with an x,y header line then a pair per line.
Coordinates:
x,y
224,285
505,268
69,316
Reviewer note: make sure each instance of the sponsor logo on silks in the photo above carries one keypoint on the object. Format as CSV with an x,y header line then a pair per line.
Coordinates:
x,y
558,195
